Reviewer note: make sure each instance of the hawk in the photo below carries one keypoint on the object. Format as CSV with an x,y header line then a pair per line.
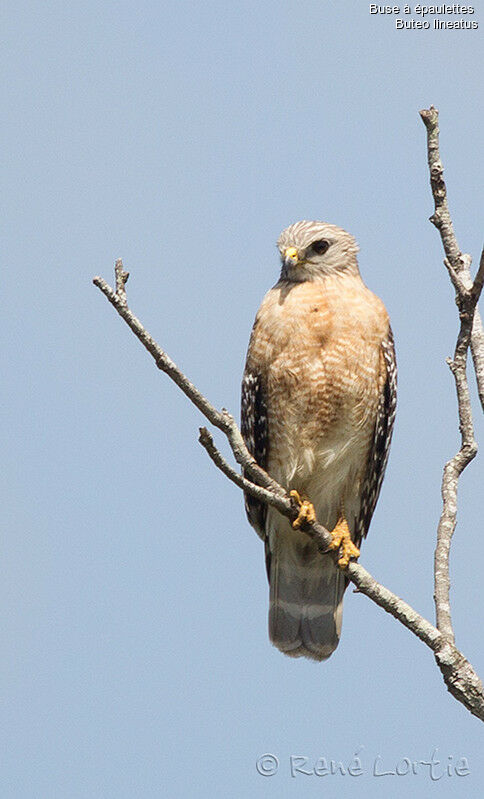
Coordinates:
x,y
318,406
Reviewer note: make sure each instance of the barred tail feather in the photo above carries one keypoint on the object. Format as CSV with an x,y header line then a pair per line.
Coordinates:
x,y
306,598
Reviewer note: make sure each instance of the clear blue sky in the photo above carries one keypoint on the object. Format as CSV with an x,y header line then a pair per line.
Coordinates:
x,y
183,137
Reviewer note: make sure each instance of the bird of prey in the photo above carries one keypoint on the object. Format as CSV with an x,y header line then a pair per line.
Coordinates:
x,y
318,406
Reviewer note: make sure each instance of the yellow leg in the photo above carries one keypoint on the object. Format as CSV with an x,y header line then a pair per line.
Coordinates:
x,y
306,510
342,541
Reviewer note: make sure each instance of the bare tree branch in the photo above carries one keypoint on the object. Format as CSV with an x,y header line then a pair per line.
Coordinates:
x,y
285,506
458,261
466,297
458,674
221,419
466,300
121,278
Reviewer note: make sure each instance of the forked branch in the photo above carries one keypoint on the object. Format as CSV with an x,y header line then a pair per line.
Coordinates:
x,y
467,293
458,263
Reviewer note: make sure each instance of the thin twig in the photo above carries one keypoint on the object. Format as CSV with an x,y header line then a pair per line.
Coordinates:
x,y
223,420
282,504
459,262
121,279
453,469
467,297
396,606
478,282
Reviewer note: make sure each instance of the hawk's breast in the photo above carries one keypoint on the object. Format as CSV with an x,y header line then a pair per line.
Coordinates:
x,y
317,347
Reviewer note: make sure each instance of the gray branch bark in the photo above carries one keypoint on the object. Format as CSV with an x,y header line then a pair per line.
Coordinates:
x,y
459,262
467,293
459,675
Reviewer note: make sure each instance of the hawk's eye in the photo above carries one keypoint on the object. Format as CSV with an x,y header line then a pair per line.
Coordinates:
x,y
320,247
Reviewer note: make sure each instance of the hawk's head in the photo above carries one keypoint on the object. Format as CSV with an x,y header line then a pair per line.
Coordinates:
x,y
310,250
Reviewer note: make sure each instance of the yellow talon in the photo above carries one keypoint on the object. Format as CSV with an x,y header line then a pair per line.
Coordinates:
x,y
341,533
342,541
306,510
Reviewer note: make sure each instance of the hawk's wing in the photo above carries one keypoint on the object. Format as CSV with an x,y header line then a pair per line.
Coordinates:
x,y
382,436
254,431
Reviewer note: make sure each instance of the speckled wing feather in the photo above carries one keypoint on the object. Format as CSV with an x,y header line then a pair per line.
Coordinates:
x,y
382,437
254,431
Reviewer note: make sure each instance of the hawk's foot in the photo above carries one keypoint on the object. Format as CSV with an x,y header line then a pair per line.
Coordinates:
x,y
342,541
306,510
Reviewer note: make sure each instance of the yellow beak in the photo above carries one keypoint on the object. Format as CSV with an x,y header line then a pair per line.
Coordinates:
x,y
291,253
